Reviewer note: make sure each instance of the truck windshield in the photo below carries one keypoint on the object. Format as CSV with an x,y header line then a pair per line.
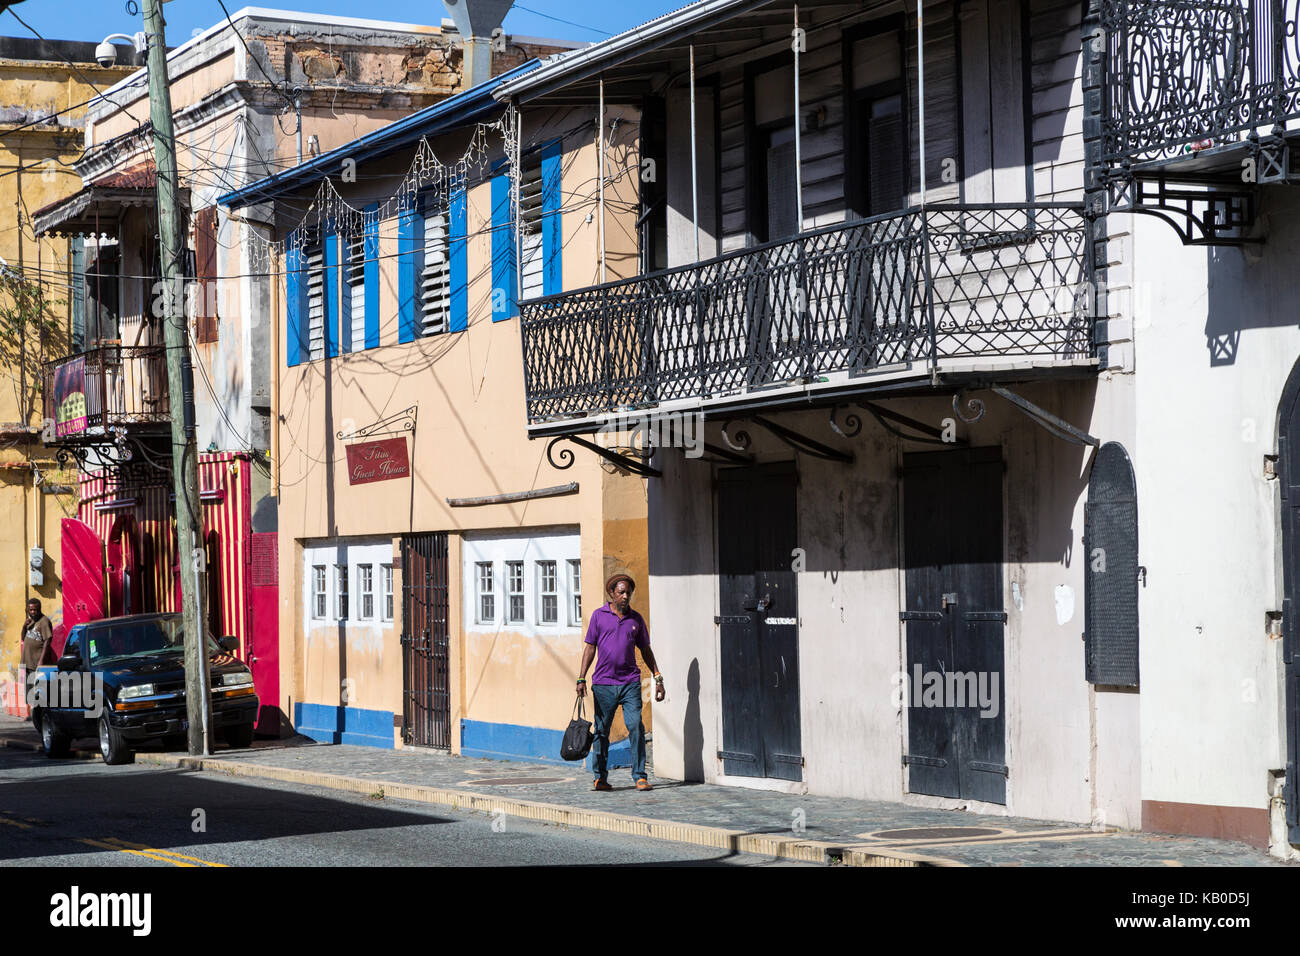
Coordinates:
x,y
137,639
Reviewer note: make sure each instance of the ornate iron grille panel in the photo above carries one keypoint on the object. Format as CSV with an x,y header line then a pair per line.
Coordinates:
x,y
943,282
87,393
1184,74
426,671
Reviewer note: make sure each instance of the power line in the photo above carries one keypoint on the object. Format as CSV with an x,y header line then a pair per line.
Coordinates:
x,y
85,79
580,26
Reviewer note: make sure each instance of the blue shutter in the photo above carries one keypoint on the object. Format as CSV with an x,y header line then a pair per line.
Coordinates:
x,y
371,245
458,235
504,290
295,300
331,296
552,243
410,249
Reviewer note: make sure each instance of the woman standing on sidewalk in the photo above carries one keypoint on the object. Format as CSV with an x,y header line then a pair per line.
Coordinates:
x,y
616,631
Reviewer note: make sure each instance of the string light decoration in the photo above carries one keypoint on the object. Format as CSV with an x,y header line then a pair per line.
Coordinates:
x,y
330,212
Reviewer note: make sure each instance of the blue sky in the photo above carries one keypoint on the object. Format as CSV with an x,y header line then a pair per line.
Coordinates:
x,y
92,20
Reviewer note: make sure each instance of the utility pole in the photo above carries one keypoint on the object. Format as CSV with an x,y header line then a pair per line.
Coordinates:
x,y
180,387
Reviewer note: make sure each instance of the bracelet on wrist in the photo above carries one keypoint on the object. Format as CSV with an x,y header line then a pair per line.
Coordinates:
x,y
582,680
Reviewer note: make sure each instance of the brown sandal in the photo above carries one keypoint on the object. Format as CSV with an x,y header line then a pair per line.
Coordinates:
x,y
599,784
643,784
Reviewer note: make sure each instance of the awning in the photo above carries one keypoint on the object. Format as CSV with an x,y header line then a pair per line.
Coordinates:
x,y
92,211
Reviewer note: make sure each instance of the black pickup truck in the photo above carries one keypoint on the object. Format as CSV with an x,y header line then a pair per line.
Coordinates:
x,y
123,679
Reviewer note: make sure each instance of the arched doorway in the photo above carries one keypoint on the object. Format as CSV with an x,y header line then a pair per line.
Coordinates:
x,y
1288,447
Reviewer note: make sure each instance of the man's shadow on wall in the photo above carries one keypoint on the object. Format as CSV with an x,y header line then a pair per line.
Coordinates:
x,y
693,728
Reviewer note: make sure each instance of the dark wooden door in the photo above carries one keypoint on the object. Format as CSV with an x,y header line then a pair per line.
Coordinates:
x,y
759,605
954,619
426,671
1289,466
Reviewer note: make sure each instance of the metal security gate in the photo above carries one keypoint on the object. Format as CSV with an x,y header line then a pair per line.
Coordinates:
x,y
757,527
952,548
426,672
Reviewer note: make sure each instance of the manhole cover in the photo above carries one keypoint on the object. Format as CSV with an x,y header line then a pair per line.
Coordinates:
x,y
506,781
934,833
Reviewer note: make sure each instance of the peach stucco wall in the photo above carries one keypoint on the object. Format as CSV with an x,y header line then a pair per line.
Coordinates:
x,y
469,441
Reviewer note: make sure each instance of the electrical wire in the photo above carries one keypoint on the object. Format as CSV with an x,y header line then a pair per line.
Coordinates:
x,y
580,26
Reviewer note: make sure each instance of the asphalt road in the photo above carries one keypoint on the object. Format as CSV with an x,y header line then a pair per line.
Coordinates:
x,y
83,813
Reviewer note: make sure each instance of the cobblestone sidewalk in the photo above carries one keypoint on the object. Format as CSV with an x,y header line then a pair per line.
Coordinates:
x,y
800,826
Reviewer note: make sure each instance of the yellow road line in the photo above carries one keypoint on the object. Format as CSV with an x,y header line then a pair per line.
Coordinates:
x,y
122,846
169,853
109,846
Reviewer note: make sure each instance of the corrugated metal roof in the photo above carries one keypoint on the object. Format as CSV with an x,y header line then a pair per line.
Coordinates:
x,y
579,64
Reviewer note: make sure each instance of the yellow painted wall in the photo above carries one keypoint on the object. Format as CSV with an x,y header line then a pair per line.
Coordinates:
x,y
28,516
470,440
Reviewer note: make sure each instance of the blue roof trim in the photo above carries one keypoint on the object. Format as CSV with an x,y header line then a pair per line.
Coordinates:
x,y
449,114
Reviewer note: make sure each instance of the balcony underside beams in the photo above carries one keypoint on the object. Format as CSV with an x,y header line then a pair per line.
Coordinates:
x,y
920,384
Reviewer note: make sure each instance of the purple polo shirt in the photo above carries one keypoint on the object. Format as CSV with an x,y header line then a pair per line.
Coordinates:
x,y
615,639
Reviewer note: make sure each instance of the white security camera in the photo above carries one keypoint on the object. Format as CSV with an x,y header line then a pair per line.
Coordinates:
x,y
106,54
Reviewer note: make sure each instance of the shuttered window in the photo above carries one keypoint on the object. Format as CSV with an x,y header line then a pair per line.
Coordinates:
x,y
530,228
435,268
886,155
354,277
877,162
205,265
315,256
1110,538
782,205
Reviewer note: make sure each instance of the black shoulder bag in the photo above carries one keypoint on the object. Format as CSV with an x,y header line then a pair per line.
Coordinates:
x,y
577,739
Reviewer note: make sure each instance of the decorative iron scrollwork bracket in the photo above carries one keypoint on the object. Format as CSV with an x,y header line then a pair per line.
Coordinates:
x,y
637,466
1208,214
928,434
398,423
852,423
1272,160
1058,427
804,444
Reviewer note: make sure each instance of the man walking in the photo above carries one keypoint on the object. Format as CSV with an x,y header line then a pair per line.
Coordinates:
x,y
616,631
37,633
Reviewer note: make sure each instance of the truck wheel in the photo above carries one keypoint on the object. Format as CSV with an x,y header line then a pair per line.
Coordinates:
x,y
239,737
54,742
112,745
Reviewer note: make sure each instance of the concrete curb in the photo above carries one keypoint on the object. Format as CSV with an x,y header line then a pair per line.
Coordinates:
x,y
734,841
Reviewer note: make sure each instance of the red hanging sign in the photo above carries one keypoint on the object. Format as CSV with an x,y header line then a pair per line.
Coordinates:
x,y
377,461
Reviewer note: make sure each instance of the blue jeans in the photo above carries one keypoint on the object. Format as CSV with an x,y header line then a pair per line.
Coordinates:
x,y
607,698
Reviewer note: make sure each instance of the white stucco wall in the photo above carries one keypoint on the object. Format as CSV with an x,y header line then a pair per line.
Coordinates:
x,y
1211,703
1071,750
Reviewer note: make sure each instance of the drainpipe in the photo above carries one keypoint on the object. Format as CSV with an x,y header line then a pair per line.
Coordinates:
x,y
475,20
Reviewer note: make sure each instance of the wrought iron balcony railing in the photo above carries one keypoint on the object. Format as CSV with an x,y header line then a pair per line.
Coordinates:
x,y
87,393
893,292
1183,75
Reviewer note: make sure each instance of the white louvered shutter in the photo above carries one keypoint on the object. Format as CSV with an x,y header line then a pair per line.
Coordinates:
x,y
435,279
530,217
316,303
356,280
